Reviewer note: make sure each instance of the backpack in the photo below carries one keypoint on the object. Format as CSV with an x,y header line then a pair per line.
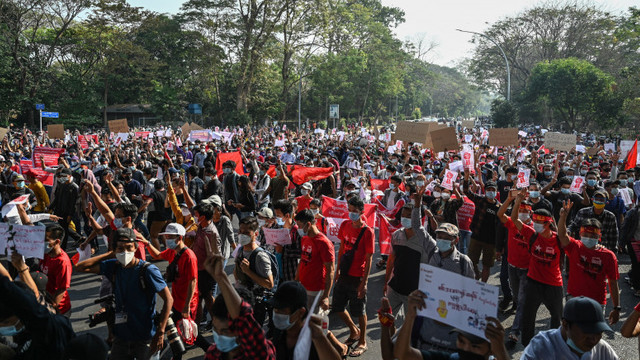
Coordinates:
x,y
274,264
142,280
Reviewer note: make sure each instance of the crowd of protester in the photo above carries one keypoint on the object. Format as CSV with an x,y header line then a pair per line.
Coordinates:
x,y
137,200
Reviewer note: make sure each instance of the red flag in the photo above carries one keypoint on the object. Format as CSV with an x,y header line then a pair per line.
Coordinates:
x,y
379,184
302,174
332,208
386,230
272,170
235,156
632,156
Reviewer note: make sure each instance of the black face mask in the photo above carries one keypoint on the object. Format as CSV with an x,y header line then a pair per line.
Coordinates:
x,y
465,355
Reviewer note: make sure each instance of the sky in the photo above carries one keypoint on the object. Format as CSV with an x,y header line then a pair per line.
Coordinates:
x,y
436,20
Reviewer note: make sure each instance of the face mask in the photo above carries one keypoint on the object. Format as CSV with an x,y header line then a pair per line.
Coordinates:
x,y
547,173
565,191
20,184
279,221
301,232
282,321
436,194
630,180
614,191
570,177
538,228
186,212
565,168
354,216
304,192
117,222
623,182
583,172
513,177
226,171
443,245
445,196
524,217
171,243
125,257
534,194
63,179
574,347
589,242
591,182
491,195
392,186
598,205
224,343
10,330
315,211
406,222
419,184
244,239
394,161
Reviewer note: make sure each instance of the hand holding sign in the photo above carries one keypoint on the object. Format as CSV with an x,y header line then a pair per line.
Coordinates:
x,y
577,184
523,178
449,179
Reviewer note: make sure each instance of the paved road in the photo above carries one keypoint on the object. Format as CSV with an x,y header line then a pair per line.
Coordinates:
x,y
84,289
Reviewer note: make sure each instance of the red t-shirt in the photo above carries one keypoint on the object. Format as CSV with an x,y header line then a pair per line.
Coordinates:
x,y
303,202
348,236
187,271
518,245
58,269
465,214
315,252
589,270
544,263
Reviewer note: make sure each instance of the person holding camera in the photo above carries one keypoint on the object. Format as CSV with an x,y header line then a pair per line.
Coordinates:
x,y
135,285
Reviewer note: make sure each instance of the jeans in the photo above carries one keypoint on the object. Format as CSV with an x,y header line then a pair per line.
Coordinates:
x,y
518,281
633,249
504,277
537,293
129,350
463,244
140,226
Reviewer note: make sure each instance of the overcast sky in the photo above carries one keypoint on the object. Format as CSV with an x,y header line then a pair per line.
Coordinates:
x,y
438,19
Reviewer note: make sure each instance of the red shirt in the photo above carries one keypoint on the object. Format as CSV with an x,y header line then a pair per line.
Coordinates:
x,y
348,236
544,264
303,202
465,213
589,270
58,269
518,246
315,252
187,271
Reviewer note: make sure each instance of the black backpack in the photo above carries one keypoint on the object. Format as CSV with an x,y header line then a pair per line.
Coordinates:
x,y
274,264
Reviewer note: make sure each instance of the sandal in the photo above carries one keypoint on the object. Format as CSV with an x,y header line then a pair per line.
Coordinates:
x,y
358,351
513,340
351,341
382,264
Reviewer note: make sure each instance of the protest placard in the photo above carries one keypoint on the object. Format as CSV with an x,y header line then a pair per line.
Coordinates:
x,y
3,132
142,134
456,166
503,136
523,178
50,156
409,131
610,147
195,126
469,124
558,141
28,241
468,160
456,300
202,135
277,236
577,184
333,225
55,131
449,178
581,149
42,176
443,139
118,126
625,146
468,138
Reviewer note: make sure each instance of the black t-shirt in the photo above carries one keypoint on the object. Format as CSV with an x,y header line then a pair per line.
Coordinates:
x,y
503,189
438,355
285,353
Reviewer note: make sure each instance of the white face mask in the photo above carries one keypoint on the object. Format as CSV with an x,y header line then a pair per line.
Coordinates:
x,y
261,222
186,212
244,239
436,194
315,211
539,228
445,196
117,222
125,257
406,222
524,217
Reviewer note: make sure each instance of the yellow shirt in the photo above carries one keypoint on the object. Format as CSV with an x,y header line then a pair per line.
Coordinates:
x,y
41,196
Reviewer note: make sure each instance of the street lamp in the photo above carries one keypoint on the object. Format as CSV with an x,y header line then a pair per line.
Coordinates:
x,y
503,54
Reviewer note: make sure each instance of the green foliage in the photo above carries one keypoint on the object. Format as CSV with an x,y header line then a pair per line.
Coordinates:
x,y
416,114
503,113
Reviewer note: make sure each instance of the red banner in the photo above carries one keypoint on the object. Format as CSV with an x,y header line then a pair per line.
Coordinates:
x,y
332,208
379,184
43,176
386,230
83,141
235,156
302,174
50,156
272,170
142,134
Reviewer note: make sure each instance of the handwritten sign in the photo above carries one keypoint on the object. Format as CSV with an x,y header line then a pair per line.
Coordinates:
x,y
469,124
456,300
118,126
27,240
277,236
577,184
456,166
50,155
55,131
558,141
503,137
449,179
523,178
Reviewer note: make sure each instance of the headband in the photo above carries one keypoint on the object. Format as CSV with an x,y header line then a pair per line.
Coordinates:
x,y
537,217
525,207
590,229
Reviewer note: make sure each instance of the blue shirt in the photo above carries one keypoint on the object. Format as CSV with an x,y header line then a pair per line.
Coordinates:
x,y
132,300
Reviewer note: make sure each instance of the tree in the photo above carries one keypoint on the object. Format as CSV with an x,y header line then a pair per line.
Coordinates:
x,y
503,113
577,91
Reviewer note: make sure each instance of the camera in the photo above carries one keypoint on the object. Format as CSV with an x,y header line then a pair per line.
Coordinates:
x,y
173,338
108,315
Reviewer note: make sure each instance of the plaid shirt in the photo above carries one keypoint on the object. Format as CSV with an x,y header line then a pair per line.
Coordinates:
x,y
291,256
609,226
249,336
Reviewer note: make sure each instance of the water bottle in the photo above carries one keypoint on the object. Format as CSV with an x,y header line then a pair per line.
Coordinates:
x,y
324,314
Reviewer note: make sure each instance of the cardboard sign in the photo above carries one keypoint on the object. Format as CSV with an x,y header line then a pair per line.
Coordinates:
x,y
503,137
449,179
186,129
55,131
444,139
469,124
118,126
418,132
577,184
3,132
277,236
456,300
27,240
195,126
559,142
523,178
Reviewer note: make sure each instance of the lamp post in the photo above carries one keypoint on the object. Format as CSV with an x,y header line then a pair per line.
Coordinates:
x,y
503,54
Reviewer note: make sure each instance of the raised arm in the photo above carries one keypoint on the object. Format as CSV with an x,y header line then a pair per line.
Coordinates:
x,y
103,208
516,208
503,208
562,223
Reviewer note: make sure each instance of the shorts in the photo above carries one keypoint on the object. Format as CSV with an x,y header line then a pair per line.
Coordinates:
x,y
205,283
488,252
346,291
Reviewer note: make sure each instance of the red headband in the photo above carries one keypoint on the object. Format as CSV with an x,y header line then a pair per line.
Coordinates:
x,y
525,207
590,229
537,217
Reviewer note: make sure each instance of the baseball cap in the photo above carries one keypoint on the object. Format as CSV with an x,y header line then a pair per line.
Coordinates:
x,y
266,213
125,235
174,229
600,192
290,294
448,229
417,168
17,177
214,200
173,171
307,186
65,171
587,314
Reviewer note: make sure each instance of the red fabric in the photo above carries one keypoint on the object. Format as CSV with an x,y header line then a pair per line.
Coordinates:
x,y
384,239
41,175
348,235
388,212
316,251
544,264
58,269
518,247
465,214
333,208
235,156
272,170
303,202
187,271
379,184
302,174
590,268
632,157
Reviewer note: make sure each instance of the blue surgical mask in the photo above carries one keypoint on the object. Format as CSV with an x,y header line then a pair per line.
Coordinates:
x,y
171,243
630,180
392,186
443,245
614,191
117,222
282,321
565,191
491,195
226,170
623,182
224,343
279,221
10,330
534,194
20,184
406,222
591,182
574,347
570,177
548,173
419,183
354,216
589,242
565,168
